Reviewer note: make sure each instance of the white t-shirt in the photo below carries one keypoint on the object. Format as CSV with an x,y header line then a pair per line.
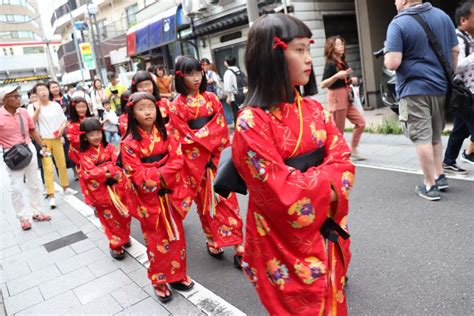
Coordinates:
x,y
230,82
111,121
50,119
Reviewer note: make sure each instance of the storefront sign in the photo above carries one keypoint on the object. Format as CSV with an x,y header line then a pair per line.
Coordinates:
x,y
87,56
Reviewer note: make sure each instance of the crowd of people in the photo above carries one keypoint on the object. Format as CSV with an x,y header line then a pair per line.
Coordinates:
x,y
150,150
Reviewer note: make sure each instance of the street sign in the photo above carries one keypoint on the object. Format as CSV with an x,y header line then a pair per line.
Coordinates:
x,y
87,56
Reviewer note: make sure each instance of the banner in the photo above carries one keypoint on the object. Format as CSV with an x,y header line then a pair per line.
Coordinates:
x,y
87,56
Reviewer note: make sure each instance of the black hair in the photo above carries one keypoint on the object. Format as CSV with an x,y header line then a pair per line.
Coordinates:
x,y
160,67
51,82
111,75
39,84
30,92
143,75
74,117
90,124
186,65
230,60
132,127
268,76
93,83
205,60
124,100
463,11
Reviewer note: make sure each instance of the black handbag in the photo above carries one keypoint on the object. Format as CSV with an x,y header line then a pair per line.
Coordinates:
x,y
459,97
19,156
228,179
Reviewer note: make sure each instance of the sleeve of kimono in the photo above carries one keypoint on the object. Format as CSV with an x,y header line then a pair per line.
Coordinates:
x,y
151,176
72,135
337,164
90,172
267,177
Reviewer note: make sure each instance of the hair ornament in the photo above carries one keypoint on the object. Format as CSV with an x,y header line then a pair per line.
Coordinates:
x,y
279,43
82,133
133,82
311,41
179,73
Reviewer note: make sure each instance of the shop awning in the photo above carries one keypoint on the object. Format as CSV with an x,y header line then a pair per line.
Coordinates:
x,y
156,31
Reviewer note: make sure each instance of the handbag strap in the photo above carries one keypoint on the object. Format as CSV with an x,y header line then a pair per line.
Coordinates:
x,y
435,46
22,126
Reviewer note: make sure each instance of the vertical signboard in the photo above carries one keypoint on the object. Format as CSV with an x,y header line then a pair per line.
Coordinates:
x,y
87,56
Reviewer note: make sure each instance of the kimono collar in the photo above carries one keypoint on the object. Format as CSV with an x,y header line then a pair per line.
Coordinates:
x,y
149,140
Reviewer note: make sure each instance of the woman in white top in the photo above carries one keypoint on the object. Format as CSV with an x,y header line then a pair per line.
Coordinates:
x,y
97,97
51,123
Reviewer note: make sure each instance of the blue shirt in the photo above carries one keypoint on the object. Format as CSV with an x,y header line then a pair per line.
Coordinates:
x,y
420,72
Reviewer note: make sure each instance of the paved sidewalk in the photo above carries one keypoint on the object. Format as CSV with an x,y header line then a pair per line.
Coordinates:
x,y
79,277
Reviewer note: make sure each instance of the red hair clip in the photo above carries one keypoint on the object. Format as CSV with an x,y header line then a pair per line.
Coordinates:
x,y
82,133
179,73
279,43
133,82
129,104
311,41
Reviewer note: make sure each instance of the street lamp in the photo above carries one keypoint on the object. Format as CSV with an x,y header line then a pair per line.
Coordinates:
x,y
92,11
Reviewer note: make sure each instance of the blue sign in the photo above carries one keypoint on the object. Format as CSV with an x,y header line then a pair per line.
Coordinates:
x,y
169,29
142,39
156,36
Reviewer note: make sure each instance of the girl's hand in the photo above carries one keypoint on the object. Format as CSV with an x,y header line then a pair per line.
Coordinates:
x,y
333,196
108,175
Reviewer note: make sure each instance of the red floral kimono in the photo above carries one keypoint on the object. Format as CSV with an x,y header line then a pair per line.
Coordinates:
x,y
294,268
160,200
123,124
108,200
202,148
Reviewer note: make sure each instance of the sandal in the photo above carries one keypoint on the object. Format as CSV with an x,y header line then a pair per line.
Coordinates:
x,y
163,298
41,218
184,285
238,260
213,251
25,224
117,255
128,244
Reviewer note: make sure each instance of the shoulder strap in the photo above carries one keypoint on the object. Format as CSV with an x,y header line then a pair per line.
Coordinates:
x,y
434,45
22,126
467,45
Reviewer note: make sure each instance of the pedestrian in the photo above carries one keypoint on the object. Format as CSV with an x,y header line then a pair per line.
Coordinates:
x,y
78,113
159,198
98,97
463,124
337,78
198,117
422,84
113,92
16,126
51,122
163,81
57,96
142,81
106,185
110,124
296,267
123,119
231,84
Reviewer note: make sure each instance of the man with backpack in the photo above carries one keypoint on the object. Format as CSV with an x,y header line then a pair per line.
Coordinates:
x,y
235,85
463,124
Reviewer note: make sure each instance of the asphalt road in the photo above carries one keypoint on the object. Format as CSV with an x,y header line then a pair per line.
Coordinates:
x,y
409,256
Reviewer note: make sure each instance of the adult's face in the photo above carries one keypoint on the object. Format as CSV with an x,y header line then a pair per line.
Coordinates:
x,y
467,24
160,72
98,84
339,47
205,66
12,100
54,89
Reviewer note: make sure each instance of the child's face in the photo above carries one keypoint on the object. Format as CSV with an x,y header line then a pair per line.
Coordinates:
x,y
145,86
81,109
33,98
192,80
298,60
94,138
107,106
145,113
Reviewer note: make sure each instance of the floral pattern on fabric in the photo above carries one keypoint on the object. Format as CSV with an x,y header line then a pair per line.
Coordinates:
x,y
310,269
304,211
277,273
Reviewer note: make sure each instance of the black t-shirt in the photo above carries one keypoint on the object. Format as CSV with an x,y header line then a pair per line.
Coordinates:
x,y
330,69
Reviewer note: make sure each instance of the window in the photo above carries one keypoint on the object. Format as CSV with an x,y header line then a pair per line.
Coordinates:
x,y
101,29
14,34
131,12
5,52
11,51
33,50
5,35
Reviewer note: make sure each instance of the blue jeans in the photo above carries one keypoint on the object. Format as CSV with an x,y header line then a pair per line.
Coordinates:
x,y
463,127
112,137
229,117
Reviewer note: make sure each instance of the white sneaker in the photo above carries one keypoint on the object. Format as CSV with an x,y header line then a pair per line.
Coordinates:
x,y
69,191
52,203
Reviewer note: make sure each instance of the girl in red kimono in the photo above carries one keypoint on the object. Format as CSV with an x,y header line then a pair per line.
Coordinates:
x,y
198,117
295,268
106,185
160,199
142,81
78,111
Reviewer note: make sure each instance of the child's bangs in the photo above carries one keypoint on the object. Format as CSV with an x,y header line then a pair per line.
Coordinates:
x,y
91,125
188,65
293,28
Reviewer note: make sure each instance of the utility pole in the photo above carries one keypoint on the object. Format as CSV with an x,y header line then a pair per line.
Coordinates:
x,y
76,45
92,11
52,71
252,11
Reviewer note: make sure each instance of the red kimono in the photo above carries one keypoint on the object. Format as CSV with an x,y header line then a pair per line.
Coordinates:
x,y
163,105
73,135
123,124
108,200
202,148
160,200
294,268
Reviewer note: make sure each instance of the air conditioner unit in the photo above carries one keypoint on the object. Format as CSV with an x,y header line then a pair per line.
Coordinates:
x,y
194,7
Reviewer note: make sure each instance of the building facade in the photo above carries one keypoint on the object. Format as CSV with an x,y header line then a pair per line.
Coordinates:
x,y
26,55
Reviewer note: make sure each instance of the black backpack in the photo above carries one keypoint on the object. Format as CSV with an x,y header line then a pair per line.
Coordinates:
x,y
242,84
467,45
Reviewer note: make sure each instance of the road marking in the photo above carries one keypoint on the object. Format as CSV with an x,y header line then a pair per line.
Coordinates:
x,y
467,177
204,299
